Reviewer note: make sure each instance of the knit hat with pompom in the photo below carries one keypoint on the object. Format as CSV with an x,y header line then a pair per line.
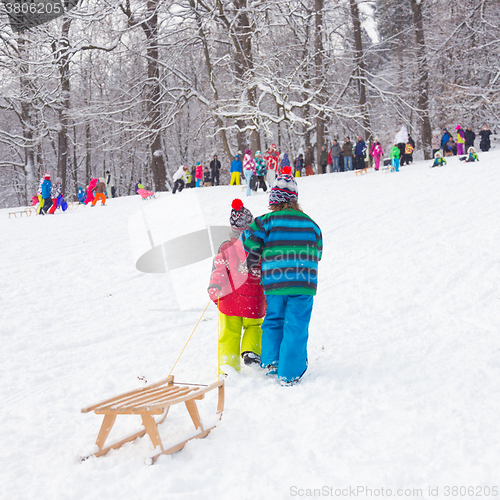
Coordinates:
x,y
285,188
240,216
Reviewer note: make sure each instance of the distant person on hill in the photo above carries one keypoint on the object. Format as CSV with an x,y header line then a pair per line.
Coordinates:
x,y
395,154
271,158
485,143
260,170
460,140
215,167
39,194
335,156
376,152
309,161
450,147
359,154
471,156
347,154
323,160
91,189
285,162
439,161
444,140
110,185
409,148
470,137
207,177
236,170
100,192
180,179
298,165
192,182
248,169
238,294
199,174
46,194
138,186
290,294
56,195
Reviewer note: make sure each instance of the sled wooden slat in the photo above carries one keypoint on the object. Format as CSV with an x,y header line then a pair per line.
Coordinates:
x,y
135,399
150,400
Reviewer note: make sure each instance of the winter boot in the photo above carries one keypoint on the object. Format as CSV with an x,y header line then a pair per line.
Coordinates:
x,y
250,358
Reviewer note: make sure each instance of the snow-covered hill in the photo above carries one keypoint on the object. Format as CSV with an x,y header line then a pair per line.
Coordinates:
x,y
403,386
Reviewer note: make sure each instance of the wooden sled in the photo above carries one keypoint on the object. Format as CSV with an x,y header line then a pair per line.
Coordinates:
x,y
362,171
26,211
150,400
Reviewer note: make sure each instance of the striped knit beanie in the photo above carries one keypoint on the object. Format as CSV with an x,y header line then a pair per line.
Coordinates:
x,y
240,216
284,189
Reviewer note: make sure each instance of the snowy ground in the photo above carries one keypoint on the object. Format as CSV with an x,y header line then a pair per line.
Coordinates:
x,y
403,386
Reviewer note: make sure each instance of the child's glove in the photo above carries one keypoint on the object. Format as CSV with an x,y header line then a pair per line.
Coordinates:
x,y
214,294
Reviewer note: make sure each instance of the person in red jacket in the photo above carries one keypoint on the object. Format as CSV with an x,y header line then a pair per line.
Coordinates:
x,y
239,296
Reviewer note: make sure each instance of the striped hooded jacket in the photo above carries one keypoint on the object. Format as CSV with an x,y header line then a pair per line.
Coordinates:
x,y
289,245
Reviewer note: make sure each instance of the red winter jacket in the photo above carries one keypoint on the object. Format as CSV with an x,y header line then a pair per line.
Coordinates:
x,y
241,293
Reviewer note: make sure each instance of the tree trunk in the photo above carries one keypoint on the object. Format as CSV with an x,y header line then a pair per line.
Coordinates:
x,y
26,122
153,96
423,79
319,79
360,69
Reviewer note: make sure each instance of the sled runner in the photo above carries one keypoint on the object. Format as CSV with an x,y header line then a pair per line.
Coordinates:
x,y
150,400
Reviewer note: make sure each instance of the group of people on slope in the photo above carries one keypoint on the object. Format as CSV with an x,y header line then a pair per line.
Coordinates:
x,y
264,287
257,169
465,140
198,176
99,189
49,196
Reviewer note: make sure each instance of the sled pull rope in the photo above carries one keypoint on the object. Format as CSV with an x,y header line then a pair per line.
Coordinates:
x,y
218,337
187,342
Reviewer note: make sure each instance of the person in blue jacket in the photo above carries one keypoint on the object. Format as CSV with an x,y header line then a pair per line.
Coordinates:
x,y
444,139
236,170
46,194
359,154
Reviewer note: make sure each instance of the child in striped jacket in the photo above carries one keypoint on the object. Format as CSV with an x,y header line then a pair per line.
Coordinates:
x,y
288,244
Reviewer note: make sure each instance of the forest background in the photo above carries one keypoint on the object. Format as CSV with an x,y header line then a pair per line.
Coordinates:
x,y
139,87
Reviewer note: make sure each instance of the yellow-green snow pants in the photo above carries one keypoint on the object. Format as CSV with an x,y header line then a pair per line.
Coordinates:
x,y
231,341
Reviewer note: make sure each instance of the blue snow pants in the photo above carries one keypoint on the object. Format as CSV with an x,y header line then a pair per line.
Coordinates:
x,y
284,334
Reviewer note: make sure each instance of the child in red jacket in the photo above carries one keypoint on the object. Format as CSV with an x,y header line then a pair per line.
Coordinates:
x,y
239,296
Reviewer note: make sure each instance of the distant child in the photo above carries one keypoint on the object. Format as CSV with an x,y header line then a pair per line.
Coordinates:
x,y
81,195
238,294
409,148
438,161
39,195
260,170
248,169
460,140
207,177
298,165
395,152
100,192
236,170
285,162
137,186
471,156
376,152
289,245
199,174
46,194
56,195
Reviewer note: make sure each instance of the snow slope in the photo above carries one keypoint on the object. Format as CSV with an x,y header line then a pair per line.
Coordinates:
x,y
403,386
